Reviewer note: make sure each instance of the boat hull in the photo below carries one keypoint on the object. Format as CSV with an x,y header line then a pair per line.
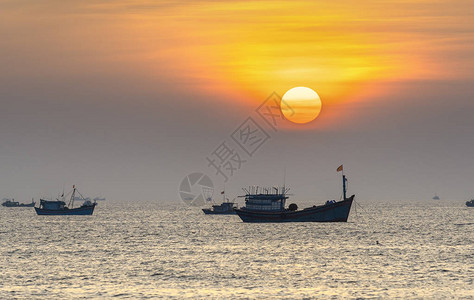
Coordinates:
x,y
20,205
470,203
88,210
212,212
333,212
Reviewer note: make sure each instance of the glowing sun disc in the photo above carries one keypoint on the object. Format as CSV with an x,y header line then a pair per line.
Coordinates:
x,y
301,105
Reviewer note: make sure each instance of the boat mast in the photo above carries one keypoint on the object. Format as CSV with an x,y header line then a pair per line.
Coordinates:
x,y
344,180
282,203
344,185
223,195
71,201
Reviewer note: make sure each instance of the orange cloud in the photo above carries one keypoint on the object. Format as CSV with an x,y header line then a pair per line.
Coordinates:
x,y
335,48
341,49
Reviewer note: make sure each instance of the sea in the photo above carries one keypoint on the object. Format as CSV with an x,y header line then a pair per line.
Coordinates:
x,y
389,250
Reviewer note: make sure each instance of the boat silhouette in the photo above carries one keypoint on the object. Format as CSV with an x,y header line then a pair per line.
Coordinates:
x,y
268,205
13,203
58,207
225,208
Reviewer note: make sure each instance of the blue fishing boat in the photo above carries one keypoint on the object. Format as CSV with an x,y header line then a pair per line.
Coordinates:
x,y
13,203
470,203
268,205
225,208
58,207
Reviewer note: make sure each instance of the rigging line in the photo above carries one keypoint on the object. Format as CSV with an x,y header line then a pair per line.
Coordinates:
x,y
355,208
371,220
80,195
357,203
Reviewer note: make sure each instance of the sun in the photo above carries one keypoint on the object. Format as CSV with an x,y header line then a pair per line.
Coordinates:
x,y
301,105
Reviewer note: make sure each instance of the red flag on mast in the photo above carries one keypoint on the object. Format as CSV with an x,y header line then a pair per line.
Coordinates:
x,y
340,168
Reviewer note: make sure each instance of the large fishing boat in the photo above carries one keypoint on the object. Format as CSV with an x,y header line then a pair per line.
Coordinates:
x,y
470,203
13,203
58,206
225,208
268,205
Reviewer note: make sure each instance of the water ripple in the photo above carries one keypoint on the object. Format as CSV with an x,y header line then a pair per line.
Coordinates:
x,y
129,252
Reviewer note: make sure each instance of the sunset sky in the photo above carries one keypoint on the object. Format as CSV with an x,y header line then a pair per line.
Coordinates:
x,y
125,98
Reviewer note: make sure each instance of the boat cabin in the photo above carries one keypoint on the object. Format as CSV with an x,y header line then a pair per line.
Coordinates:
x,y
267,199
224,207
12,202
52,205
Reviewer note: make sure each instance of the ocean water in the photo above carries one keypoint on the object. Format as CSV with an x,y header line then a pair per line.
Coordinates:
x,y
137,251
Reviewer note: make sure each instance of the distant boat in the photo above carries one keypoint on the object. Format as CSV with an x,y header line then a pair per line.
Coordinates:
x,y
470,203
268,205
58,207
13,203
99,199
435,197
225,208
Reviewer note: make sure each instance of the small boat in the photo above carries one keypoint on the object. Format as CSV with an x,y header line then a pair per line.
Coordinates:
x,y
225,208
470,203
58,207
435,197
13,203
268,205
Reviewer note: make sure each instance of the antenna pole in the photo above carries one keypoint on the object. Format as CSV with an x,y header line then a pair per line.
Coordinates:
x,y
344,184
71,202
